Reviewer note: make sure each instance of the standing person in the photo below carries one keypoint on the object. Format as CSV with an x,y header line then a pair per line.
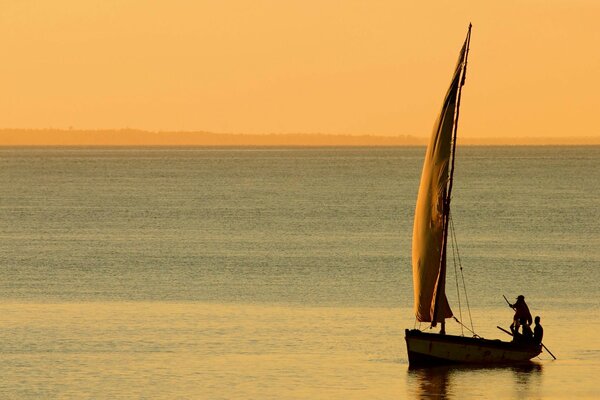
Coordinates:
x,y
538,331
521,312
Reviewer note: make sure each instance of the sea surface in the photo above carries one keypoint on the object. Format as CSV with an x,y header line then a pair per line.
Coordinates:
x,y
249,273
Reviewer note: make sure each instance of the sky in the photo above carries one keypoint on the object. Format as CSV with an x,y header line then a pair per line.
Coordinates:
x,y
299,66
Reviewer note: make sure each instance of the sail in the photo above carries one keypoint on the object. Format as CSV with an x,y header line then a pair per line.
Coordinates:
x,y
431,213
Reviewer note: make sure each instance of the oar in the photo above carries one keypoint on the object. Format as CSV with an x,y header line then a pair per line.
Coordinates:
x,y
504,330
508,302
549,352
543,345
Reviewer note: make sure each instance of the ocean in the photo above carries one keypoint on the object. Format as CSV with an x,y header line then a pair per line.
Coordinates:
x,y
284,273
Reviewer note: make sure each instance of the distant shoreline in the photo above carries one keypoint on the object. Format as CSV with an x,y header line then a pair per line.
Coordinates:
x,y
139,138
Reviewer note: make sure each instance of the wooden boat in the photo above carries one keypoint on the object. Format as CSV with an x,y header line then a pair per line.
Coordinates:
x,y
426,349
429,248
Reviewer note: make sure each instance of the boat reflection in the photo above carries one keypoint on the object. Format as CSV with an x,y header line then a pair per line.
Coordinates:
x,y
447,382
431,383
527,380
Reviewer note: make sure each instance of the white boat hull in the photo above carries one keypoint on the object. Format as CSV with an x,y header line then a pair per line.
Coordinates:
x,y
429,349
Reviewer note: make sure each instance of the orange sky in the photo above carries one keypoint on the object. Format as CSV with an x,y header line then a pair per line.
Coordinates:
x,y
274,66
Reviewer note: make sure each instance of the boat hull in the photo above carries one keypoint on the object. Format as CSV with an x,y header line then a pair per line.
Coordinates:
x,y
431,349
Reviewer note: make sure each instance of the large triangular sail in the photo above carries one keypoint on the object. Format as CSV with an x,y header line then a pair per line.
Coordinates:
x,y
433,207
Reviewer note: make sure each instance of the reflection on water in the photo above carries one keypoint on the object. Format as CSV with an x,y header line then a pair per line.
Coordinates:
x,y
432,382
527,378
446,382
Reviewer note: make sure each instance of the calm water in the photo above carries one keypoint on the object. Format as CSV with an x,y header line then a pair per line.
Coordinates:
x,y
283,273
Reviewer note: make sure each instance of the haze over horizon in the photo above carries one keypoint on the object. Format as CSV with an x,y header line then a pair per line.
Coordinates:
x,y
266,66
133,137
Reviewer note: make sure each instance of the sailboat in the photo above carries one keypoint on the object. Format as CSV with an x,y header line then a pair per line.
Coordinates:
x,y
429,251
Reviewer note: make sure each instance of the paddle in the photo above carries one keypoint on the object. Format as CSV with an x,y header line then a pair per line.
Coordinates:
x,y
504,330
549,352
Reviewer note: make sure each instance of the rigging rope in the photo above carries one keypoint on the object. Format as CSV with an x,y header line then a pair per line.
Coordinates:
x,y
463,325
461,273
453,242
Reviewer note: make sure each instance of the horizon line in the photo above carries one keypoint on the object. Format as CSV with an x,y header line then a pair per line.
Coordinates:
x,y
128,137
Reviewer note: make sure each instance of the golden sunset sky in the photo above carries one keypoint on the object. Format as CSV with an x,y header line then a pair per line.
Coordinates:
x,y
299,66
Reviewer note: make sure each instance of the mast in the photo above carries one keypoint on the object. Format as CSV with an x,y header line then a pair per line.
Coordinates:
x,y
462,82
448,193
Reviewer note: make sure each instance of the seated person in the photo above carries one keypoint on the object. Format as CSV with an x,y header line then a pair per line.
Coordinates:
x,y
538,331
526,336
527,333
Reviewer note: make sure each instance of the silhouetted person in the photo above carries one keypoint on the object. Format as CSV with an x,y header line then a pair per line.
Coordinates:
x,y
515,333
521,312
538,331
527,334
